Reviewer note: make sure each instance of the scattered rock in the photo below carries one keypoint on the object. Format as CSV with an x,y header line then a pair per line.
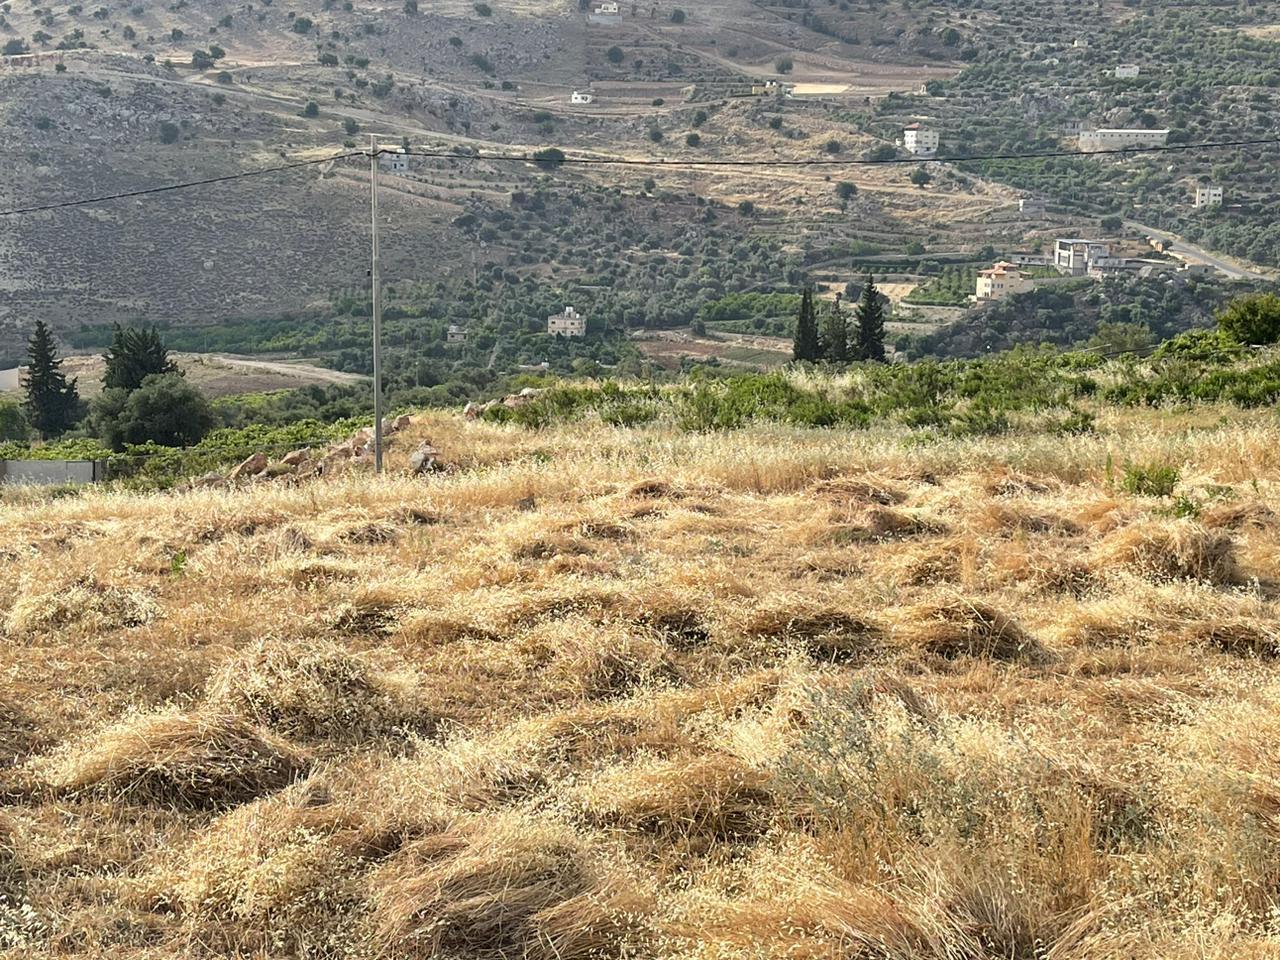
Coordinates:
x,y
250,467
423,459
297,457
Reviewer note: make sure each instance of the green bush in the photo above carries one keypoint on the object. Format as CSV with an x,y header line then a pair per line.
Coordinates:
x,y
165,410
1150,480
1254,319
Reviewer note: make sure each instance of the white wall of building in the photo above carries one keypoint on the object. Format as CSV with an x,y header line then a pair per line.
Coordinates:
x,y
1111,139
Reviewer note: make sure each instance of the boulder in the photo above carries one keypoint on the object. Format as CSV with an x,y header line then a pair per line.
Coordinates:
x,y
211,479
423,459
472,410
297,457
249,467
402,421
340,451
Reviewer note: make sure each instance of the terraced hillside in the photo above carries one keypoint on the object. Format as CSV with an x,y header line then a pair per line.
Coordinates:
x,y
601,692
111,99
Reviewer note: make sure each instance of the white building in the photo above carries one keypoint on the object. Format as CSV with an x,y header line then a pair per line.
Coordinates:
x,y
1101,267
1000,281
1208,197
394,163
609,8
1076,256
1127,71
1110,139
1031,207
567,324
582,96
455,334
920,141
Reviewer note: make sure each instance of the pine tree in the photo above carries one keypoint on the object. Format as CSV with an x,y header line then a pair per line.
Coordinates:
x,y
870,315
52,404
133,356
806,346
835,335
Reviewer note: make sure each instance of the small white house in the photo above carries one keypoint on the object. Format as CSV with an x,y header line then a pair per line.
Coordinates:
x,y
919,140
397,163
455,334
582,96
1127,71
609,8
1208,197
567,324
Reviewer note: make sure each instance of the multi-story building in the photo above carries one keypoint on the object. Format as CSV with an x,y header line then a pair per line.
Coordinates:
x,y
567,324
1208,197
1074,256
1092,141
920,141
999,281
455,334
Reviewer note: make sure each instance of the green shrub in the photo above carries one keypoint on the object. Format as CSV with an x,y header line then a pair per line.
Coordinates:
x,y
1254,319
1149,480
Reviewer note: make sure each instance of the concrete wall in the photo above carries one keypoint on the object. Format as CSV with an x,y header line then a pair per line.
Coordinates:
x,y
51,472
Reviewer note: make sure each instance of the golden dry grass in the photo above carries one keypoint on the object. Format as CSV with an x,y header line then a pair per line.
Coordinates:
x,y
613,693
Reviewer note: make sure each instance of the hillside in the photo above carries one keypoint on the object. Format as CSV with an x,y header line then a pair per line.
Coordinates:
x,y
118,99
898,692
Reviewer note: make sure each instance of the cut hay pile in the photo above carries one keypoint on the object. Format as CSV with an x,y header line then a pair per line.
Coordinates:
x,y
1168,550
501,888
317,689
606,661
11,872
185,760
815,630
696,801
963,628
84,605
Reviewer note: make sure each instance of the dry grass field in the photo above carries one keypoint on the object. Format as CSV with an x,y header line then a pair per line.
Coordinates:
x,y
609,693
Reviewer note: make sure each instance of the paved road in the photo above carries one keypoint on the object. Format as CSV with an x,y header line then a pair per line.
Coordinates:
x,y
1185,250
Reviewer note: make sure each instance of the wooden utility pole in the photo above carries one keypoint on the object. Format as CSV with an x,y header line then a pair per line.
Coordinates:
x,y
375,278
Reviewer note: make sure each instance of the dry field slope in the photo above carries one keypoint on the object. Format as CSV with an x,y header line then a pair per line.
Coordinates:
x,y
599,693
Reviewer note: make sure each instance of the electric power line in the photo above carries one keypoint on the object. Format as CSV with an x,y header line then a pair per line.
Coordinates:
x,y
186,185
633,161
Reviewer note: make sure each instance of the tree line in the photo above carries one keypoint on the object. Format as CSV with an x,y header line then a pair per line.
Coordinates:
x,y
145,397
835,340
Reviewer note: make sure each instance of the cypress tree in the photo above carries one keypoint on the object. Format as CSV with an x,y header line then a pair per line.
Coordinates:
x,y
835,335
870,315
806,345
52,404
133,356
116,357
